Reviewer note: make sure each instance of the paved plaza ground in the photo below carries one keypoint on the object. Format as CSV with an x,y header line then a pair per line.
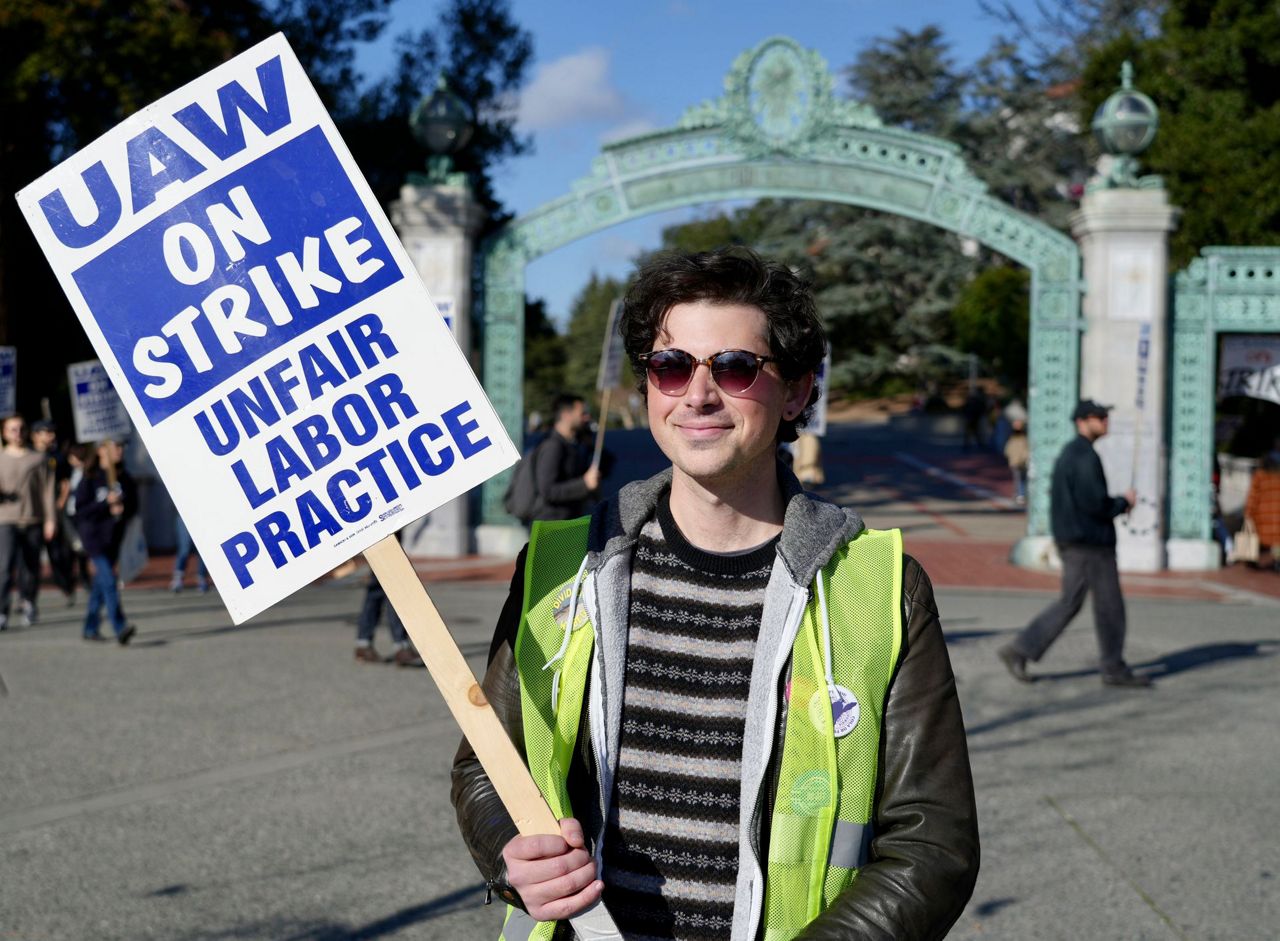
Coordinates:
x,y
254,782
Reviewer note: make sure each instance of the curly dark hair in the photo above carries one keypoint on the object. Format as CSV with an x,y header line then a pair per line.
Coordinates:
x,y
728,276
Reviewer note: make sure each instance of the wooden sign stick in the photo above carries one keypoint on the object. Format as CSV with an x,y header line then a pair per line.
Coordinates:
x,y
604,420
466,700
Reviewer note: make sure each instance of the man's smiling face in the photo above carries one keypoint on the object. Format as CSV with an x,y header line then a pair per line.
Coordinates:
x,y
708,435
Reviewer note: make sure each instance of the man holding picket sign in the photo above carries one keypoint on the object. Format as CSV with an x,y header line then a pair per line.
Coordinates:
x,y
278,353
736,697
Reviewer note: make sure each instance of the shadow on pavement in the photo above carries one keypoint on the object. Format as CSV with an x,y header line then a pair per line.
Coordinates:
x,y
381,928
1181,661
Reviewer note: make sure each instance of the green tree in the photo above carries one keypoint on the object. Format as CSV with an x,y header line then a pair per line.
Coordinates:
x,y
544,358
484,54
991,318
584,338
911,81
71,70
1214,72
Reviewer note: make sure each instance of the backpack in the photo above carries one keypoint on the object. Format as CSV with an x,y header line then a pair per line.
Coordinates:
x,y
521,499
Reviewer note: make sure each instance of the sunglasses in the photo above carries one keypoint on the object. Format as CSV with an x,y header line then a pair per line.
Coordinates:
x,y
733,371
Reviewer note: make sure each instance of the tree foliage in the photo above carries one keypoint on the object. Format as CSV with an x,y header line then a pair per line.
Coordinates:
x,y
584,337
991,320
544,365
71,70
1213,70
484,54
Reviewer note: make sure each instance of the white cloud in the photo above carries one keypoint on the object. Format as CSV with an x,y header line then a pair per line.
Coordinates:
x,y
627,129
570,90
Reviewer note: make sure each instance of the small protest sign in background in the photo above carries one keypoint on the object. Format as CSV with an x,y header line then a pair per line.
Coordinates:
x,y
96,408
8,380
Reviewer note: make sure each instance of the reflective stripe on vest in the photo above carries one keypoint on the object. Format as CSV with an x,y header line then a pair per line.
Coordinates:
x,y
826,785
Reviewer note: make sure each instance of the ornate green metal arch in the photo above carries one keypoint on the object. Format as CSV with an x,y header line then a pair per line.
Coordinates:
x,y
779,131
1225,290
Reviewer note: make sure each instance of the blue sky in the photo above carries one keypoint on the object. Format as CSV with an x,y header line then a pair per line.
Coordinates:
x,y
605,70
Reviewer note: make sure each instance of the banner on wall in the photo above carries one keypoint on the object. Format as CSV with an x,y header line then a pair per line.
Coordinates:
x,y
253,308
1250,365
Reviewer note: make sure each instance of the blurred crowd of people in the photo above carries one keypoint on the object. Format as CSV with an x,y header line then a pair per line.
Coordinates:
x,y
73,503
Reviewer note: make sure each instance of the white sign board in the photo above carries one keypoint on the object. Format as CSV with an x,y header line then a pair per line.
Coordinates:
x,y
8,380
818,421
96,408
264,327
1250,366
611,353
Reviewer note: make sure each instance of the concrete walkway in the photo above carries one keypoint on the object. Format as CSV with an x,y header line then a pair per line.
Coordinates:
x,y
254,782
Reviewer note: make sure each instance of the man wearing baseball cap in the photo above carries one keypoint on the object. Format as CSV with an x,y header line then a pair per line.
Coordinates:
x,y
1082,514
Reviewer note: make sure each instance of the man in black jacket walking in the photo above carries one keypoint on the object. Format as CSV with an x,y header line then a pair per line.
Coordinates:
x,y
565,478
1082,515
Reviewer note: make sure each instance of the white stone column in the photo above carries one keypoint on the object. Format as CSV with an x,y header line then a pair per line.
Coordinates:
x,y
1123,236
437,225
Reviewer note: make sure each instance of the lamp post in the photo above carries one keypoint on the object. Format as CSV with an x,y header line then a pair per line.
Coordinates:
x,y
443,124
1124,126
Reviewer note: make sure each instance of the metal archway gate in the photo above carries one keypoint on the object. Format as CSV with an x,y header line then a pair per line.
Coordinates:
x,y
779,131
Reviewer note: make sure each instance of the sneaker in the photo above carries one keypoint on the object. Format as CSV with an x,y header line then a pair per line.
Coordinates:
x,y
1015,663
4,622
366,654
27,614
175,585
1126,679
407,657
202,586
126,635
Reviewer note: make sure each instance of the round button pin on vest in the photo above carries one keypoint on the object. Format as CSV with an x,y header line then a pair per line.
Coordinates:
x,y
845,710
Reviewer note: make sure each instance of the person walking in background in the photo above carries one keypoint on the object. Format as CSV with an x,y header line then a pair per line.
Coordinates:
x,y
562,470
106,498
1018,453
375,603
44,439
1262,506
1082,516
974,411
27,519
185,550
807,461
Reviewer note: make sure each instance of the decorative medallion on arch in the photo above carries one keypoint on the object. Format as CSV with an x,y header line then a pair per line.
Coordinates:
x,y
779,131
1225,290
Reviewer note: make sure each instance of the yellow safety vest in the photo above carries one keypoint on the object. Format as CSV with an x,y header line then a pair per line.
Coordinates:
x,y
826,782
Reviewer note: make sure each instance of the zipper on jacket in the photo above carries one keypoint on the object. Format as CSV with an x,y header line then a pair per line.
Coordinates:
x,y
771,758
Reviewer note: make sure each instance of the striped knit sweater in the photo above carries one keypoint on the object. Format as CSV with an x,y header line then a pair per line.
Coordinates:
x,y
671,840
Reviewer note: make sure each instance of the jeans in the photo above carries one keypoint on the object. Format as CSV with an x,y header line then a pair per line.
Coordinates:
x,y
1084,569
371,610
103,592
185,550
20,550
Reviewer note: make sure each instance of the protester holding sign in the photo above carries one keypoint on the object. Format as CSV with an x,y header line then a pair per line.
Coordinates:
x,y
770,736
27,519
106,499
565,478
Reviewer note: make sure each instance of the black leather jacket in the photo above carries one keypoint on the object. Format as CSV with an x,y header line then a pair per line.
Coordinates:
x,y
924,852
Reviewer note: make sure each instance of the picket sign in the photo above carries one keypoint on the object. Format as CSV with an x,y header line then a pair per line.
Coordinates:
x,y
275,348
609,374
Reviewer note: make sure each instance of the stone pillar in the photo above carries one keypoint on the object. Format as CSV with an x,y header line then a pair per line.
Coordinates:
x,y
1123,236
437,224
